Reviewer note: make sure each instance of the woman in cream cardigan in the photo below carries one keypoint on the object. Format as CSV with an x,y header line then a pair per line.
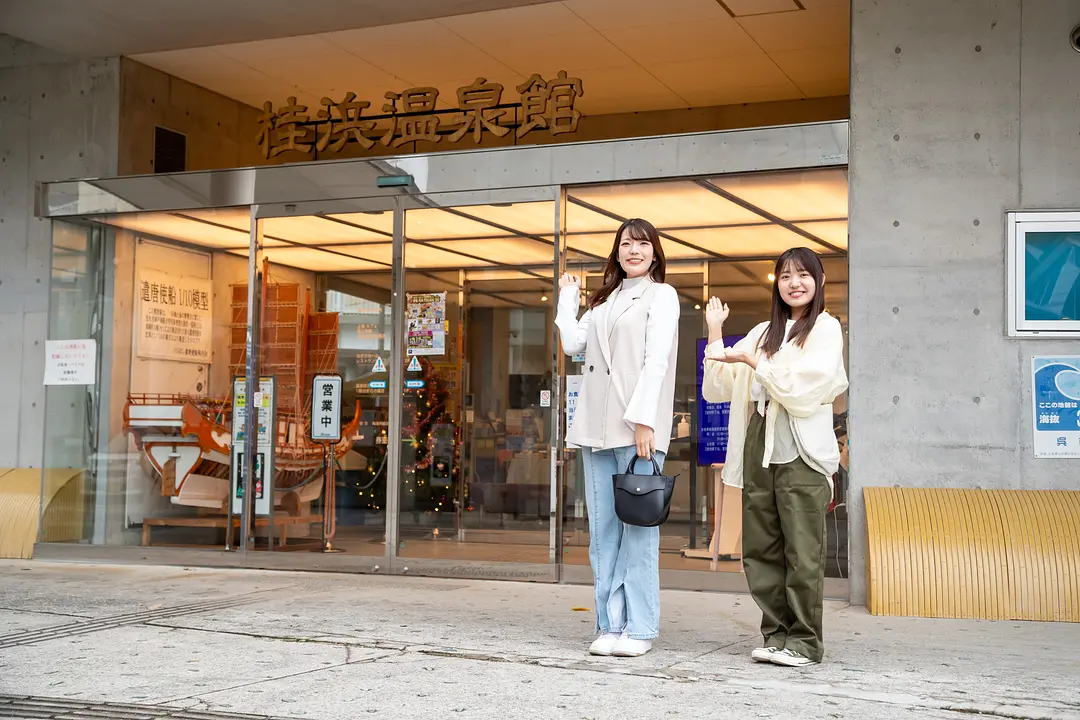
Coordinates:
x,y
629,334
781,380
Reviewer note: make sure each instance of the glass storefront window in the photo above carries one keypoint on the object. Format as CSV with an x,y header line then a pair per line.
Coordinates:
x,y
76,307
466,473
721,236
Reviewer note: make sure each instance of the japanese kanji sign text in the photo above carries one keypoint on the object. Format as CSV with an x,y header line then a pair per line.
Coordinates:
x,y
414,115
175,318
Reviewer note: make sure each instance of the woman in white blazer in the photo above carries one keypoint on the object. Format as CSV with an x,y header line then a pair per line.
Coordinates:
x,y
629,333
781,381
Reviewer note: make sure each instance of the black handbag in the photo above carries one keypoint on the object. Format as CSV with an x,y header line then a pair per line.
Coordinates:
x,y
643,500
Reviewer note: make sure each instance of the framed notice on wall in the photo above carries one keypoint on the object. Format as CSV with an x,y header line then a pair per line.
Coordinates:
x,y
174,317
1056,395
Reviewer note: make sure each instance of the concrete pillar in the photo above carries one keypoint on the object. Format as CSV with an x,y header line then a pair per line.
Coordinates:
x,y
58,120
960,111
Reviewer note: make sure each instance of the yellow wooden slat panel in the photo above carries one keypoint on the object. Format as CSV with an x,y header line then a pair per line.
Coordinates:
x,y
965,524
986,554
896,552
1071,516
920,602
20,501
874,523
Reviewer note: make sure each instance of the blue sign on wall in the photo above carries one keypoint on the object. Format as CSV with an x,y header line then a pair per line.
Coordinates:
x,y
712,417
1056,394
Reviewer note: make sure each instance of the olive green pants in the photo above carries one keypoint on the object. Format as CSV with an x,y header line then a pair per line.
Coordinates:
x,y
784,545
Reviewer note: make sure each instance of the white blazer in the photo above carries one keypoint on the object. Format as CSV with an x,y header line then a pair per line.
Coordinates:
x,y
629,374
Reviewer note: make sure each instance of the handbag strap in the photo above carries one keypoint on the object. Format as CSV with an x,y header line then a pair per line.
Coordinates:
x,y
633,461
647,295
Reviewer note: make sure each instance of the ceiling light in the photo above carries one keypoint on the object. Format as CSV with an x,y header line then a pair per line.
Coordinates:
x,y
697,307
772,278
543,298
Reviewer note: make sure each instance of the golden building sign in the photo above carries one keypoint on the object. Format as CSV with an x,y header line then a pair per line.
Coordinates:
x,y
412,115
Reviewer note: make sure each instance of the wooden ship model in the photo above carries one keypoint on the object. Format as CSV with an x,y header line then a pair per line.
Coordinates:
x,y
186,438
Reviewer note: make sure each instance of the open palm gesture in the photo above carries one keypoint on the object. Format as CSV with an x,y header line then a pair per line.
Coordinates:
x,y
716,313
567,280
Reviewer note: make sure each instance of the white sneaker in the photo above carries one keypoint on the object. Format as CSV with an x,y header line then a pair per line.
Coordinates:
x,y
764,654
627,646
790,658
604,644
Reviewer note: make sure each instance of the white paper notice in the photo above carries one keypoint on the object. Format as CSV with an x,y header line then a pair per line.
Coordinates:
x,y
70,362
573,389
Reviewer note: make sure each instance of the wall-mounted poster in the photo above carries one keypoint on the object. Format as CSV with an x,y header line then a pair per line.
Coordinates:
x,y
1056,395
425,329
175,321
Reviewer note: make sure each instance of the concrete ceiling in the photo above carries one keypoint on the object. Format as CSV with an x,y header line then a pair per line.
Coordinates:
x,y
632,55
107,28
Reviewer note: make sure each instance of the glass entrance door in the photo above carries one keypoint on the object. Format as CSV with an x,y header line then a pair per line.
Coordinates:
x,y
327,309
477,397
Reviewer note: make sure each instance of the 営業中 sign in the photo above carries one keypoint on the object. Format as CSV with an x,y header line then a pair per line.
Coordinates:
x,y
326,408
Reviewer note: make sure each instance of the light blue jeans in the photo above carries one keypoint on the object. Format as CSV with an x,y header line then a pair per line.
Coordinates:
x,y
625,558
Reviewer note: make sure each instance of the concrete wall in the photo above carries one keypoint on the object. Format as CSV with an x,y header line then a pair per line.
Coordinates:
x,y
960,111
220,131
58,120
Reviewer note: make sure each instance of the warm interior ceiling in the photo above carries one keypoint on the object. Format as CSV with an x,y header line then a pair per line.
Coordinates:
x,y
730,227
109,28
632,55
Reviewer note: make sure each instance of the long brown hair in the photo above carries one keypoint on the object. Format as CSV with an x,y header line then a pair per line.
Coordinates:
x,y
614,274
799,259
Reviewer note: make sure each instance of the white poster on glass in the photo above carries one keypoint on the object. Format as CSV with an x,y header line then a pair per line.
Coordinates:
x,y
175,320
70,362
573,390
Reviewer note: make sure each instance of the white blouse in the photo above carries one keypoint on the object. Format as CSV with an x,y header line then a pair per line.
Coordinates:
x,y
785,447
803,382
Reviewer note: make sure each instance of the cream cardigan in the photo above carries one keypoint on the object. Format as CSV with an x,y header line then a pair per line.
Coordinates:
x,y
805,380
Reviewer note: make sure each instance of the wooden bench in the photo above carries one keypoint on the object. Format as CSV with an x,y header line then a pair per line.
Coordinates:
x,y
282,521
978,554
